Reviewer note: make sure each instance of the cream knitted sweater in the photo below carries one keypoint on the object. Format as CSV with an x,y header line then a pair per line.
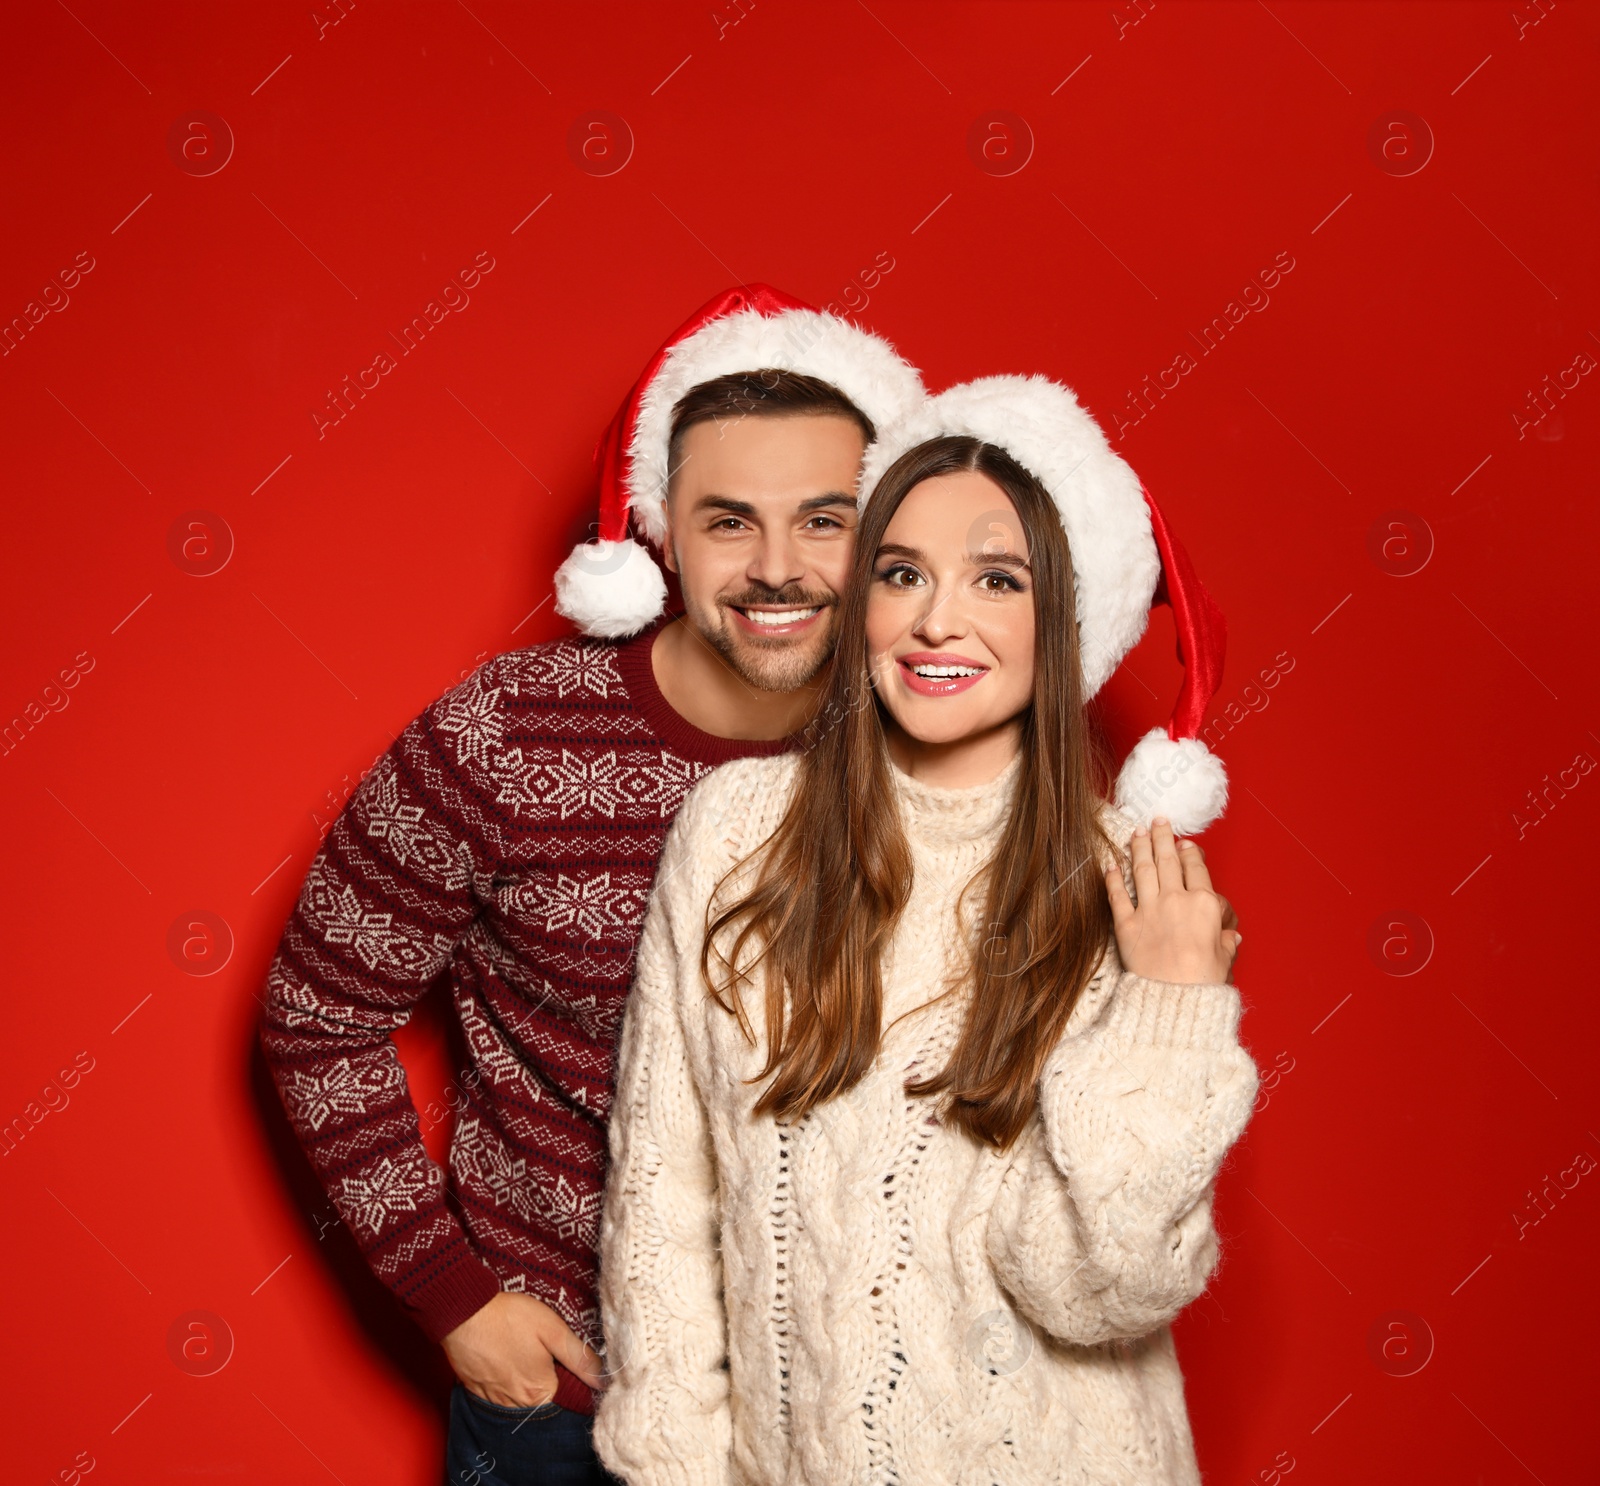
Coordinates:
x,y
866,1297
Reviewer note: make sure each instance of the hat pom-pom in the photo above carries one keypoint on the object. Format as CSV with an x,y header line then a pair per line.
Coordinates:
x,y
1179,778
610,589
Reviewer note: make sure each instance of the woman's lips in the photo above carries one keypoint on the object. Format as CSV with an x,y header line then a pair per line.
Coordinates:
x,y
935,675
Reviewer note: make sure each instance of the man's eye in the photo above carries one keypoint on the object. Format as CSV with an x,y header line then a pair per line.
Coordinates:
x,y
825,522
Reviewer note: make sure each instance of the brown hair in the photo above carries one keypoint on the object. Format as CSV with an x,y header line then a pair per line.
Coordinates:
x,y
836,874
759,394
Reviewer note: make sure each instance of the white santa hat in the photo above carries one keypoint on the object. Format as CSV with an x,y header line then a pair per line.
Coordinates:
x,y
612,587
1124,559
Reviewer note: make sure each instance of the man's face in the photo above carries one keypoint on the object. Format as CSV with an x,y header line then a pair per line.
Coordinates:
x,y
761,520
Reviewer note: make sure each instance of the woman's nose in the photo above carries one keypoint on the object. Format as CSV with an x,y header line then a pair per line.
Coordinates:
x,y
942,619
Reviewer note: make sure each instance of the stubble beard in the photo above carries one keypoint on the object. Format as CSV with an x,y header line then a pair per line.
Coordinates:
x,y
780,664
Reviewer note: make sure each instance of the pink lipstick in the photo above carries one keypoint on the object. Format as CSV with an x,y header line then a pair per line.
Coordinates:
x,y
931,673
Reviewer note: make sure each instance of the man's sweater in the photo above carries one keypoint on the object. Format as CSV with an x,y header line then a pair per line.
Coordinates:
x,y
508,838
870,1295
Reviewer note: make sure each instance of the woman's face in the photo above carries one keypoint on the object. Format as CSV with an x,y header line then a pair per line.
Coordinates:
x,y
950,619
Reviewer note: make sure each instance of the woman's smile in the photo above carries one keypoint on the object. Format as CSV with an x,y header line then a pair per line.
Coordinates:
x,y
938,673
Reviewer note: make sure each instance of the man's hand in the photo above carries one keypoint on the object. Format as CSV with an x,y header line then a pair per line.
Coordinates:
x,y
1181,931
507,1352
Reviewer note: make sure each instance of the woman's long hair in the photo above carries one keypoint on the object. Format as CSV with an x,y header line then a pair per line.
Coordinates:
x,y
832,880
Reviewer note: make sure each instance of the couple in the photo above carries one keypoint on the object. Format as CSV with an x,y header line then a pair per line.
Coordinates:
x,y
931,1057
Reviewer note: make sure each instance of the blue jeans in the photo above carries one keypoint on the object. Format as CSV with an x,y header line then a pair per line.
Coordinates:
x,y
491,1445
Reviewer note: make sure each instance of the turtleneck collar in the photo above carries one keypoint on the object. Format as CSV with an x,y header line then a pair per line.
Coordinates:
x,y
947,817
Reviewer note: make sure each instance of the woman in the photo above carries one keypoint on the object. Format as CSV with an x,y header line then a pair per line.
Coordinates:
x,y
920,1108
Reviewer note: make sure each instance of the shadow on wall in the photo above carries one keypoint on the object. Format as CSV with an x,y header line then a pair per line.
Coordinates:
x,y
1242,1293
391,1334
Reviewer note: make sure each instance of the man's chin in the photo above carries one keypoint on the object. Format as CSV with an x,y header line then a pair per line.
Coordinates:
x,y
776,665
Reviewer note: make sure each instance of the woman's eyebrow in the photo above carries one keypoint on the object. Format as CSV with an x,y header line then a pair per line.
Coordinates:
x,y
978,559
997,559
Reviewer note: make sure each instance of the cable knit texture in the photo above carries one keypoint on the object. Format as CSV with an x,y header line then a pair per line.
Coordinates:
x,y
866,1295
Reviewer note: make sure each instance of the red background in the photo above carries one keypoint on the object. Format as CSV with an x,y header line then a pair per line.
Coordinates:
x,y
1176,153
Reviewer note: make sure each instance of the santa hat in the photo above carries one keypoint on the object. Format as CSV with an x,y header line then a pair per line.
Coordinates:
x,y
612,587
1124,559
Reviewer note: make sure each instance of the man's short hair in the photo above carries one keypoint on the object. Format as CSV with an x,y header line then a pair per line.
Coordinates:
x,y
759,394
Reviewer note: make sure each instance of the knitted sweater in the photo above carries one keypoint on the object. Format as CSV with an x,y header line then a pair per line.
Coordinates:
x,y
867,1296
509,837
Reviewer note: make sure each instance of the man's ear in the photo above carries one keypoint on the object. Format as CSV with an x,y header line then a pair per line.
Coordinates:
x,y
669,547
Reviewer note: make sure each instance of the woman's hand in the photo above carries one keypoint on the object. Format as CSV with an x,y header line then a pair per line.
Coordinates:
x,y
1181,931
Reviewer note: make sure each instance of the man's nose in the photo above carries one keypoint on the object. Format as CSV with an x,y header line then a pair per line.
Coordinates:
x,y
776,562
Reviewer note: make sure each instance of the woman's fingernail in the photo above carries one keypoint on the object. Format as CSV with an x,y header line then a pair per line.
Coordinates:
x,y
1141,832
1159,820
1185,841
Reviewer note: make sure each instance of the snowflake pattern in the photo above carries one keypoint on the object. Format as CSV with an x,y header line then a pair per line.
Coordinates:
x,y
412,840
480,1154
572,1212
590,904
343,1089
598,784
577,665
388,819
339,915
666,783
368,1199
472,714
299,1002
516,782
615,785
477,1152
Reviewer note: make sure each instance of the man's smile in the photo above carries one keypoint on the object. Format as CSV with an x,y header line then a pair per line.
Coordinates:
x,y
771,620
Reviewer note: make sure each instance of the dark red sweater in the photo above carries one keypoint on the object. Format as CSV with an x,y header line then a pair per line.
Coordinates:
x,y
509,837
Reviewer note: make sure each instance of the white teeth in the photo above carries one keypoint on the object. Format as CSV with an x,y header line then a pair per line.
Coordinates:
x,y
777,616
944,673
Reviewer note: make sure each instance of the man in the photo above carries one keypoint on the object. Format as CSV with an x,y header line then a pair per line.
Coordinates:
x,y
511,836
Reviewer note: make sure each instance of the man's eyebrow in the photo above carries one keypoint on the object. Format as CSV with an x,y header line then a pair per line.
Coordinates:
x,y
738,507
725,503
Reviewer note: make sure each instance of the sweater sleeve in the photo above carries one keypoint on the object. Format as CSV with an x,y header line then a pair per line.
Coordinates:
x,y
1102,1228
665,1416
387,899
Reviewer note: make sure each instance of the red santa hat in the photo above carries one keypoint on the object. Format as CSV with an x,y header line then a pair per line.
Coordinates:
x,y
1124,559
611,587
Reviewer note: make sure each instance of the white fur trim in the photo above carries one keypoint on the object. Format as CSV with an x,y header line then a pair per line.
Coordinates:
x,y
1178,778
1038,422
610,589
863,366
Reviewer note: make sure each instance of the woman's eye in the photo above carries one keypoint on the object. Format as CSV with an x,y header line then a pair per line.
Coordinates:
x,y
900,576
998,582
